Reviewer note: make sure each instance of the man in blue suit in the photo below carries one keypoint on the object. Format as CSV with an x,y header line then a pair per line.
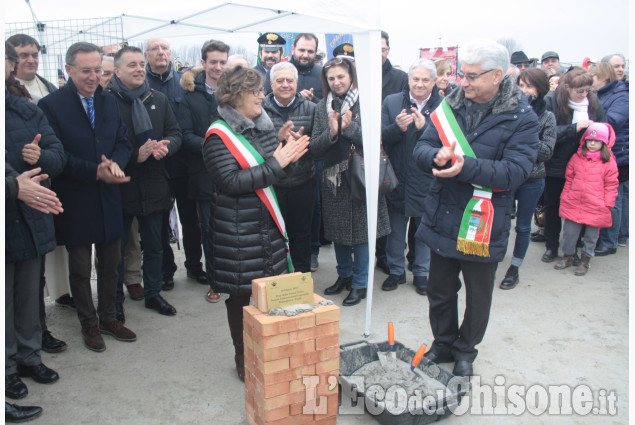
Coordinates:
x,y
95,139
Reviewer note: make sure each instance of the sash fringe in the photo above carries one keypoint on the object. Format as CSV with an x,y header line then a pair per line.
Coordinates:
x,y
469,247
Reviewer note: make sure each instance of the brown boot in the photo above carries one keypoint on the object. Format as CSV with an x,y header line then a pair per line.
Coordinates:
x,y
583,267
566,261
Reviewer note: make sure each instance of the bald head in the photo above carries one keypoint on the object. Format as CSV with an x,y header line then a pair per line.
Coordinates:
x,y
158,55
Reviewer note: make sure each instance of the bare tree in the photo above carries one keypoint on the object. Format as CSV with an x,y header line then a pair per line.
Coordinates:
x,y
242,50
510,44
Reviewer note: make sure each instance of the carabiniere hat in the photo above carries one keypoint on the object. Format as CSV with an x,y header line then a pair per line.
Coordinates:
x,y
519,57
549,54
344,49
271,42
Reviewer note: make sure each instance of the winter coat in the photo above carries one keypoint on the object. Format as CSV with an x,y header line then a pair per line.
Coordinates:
x,y
392,80
198,110
614,99
245,241
408,197
301,113
345,220
28,232
546,138
567,137
309,77
92,208
505,144
169,84
590,190
148,190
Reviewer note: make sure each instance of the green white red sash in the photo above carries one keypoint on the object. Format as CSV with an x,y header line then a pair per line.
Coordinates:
x,y
476,224
247,157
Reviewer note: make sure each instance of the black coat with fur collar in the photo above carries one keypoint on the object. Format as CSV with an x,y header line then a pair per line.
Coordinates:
x,y
246,243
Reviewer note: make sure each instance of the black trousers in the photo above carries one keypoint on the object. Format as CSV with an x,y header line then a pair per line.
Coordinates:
x,y
553,222
296,204
79,267
188,217
443,288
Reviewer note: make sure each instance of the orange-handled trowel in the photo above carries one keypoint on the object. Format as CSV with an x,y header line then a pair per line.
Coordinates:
x,y
390,356
417,359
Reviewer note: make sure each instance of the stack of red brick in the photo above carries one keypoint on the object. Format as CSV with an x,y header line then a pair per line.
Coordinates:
x,y
291,366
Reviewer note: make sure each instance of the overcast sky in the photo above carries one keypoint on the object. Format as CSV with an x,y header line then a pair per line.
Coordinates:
x,y
573,28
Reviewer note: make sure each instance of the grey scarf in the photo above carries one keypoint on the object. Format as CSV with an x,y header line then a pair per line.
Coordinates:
x,y
140,118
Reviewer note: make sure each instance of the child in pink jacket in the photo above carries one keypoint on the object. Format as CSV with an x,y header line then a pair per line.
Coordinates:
x,y
588,195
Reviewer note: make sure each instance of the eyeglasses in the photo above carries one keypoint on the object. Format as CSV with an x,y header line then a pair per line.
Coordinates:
x,y
334,62
384,49
87,71
258,92
472,77
582,91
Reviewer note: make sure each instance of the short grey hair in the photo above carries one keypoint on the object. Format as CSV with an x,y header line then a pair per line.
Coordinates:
x,y
609,57
234,58
424,63
487,53
105,58
283,65
146,44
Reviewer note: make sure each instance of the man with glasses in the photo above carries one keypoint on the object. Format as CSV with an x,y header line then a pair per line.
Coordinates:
x,y
28,50
86,119
520,60
155,135
471,195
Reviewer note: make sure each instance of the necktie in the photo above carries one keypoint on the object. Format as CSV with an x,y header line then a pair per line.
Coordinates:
x,y
91,111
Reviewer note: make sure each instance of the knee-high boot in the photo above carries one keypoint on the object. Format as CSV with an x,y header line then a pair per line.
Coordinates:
x,y
235,320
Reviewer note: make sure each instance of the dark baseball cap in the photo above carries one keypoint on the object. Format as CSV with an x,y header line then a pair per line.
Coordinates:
x,y
550,54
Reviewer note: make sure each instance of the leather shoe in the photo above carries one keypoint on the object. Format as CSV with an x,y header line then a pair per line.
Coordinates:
x,y
537,237
602,251
392,281
66,301
462,368
159,304
382,263
39,373
435,357
120,315
355,296
340,284
93,339
168,283
136,291
118,330
50,344
198,275
421,284
15,414
14,387
549,255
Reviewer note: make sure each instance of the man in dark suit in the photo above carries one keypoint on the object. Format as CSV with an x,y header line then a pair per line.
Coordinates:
x,y
97,148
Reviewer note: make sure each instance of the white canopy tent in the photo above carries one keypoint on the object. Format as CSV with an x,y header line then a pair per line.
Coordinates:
x,y
362,19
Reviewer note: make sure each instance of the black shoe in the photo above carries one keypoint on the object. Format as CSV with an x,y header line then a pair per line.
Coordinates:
x,y
14,387
438,357
392,281
159,304
602,251
168,283
66,301
39,373
549,255
355,296
382,264
421,284
340,284
576,260
120,315
200,276
50,344
511,278
537,237
16,414
462,368
409,266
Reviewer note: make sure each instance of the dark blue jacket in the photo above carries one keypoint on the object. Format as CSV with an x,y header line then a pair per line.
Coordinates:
x,y
28,233
92,209
505,144
408,197
614,99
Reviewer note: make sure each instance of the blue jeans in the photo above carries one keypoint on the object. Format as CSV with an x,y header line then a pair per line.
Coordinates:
x,y
396,243
609,235
527,196
353,261
204,215
150,230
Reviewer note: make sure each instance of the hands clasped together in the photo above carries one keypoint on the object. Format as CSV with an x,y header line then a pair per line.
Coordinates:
x,y
296,144
404,119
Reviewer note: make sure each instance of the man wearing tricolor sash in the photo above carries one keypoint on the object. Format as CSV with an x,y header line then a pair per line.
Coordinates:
x,y
481,147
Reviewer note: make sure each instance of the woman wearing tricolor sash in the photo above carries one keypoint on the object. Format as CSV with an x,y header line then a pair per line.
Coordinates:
x,y
247,231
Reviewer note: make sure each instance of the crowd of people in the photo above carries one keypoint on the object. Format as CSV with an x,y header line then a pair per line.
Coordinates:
x,y
256,161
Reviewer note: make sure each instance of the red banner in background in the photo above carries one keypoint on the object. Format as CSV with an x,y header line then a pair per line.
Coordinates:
x,y
447,53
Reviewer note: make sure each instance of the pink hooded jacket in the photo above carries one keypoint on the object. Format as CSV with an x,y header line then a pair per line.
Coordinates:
x,y
591,187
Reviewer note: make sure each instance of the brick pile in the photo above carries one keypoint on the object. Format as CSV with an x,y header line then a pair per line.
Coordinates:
x,y
291,365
